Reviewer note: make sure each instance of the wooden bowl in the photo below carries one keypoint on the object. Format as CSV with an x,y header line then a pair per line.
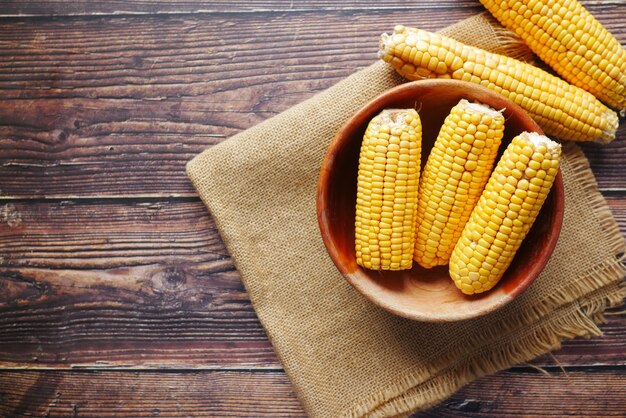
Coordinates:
x,y
426,294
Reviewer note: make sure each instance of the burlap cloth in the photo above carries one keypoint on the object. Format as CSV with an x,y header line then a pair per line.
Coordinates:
x,y
345,356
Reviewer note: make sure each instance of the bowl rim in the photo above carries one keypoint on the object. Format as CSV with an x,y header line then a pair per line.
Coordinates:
x,y
323,193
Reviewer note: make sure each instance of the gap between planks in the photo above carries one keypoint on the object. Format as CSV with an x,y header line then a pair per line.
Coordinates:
x,y
164,368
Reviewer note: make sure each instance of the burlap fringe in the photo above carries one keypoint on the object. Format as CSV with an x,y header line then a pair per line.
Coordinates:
x,y
507,41
603,287
580,166
511,44
574,320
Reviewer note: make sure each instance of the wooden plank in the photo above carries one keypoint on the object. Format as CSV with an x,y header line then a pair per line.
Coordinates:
x,y
607,161
132,394
110,106
81,7
103,234
116,7
138,282
149,284
531,394
186,56
243,394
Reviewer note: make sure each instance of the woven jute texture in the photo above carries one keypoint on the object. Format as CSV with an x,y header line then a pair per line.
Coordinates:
x,y
345,356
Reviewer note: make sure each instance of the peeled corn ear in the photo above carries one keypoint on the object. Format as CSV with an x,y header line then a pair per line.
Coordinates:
x,y
387,188
569,39
505,212
453,178
562,110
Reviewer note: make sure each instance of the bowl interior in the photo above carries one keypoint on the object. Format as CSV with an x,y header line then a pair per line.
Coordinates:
x,y
419,293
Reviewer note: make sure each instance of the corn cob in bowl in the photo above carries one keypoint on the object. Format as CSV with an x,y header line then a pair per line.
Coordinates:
x,y
387,185
506,211
455,174
427,294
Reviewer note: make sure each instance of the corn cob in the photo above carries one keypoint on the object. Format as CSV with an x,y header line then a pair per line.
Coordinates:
x,y
569,39
562,110
387,187
505,212
453,178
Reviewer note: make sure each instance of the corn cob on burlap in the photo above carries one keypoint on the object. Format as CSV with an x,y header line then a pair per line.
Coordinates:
x,y
569,39
343,355
562,110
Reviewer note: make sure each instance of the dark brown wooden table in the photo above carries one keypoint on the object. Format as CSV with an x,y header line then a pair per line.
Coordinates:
x,y
117,296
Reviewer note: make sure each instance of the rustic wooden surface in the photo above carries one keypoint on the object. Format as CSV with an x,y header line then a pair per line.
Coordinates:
x,y
117,296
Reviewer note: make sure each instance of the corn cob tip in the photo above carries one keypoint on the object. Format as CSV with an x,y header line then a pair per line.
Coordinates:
x,y
612,119
383,49
399,29
387,47
538,140
393,117
481,109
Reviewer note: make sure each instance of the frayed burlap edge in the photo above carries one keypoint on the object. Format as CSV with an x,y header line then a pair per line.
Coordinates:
x,y
577,319
601,209
500,40
603,285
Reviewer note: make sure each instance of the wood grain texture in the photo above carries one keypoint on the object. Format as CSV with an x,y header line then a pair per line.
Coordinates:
x,y
137,277
607,161
244,394
110,106
149,284
116,7
164,394
82,7
532,394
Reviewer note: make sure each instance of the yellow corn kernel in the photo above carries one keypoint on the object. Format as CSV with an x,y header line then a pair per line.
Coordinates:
x,y
561,109
387,189
448,202
569,39
504,229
